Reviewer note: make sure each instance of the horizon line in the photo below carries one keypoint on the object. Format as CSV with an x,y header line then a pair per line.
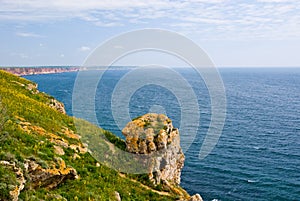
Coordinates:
x,y
79,66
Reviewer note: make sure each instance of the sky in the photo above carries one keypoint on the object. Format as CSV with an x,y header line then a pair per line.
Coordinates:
x,y
234,33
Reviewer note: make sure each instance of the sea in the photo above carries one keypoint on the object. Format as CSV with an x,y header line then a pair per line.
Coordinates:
x,y
257,156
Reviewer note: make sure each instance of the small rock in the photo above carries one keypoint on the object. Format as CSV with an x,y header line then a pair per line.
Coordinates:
x,y
58,150
117,196
55,104
61,143
76,156
32,87
196,197
78,148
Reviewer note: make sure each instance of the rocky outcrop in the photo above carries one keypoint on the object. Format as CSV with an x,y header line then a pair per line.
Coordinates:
x,y
153,133
48,177
55,104
32,87
34,175
195,197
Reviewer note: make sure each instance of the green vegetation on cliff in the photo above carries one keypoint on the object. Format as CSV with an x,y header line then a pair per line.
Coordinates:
x,y
42,157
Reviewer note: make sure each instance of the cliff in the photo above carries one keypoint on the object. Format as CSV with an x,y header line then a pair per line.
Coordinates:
x,y
42,156
21,71
154,135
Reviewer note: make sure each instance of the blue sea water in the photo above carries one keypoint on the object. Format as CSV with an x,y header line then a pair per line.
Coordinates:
x,y
258,154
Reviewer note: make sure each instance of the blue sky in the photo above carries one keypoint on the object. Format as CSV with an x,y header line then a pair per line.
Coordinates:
x,y
254,33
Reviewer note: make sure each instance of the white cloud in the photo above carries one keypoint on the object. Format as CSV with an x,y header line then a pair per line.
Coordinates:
x,y
84,49
118,47
24,56
20,55
108,24
275,1
62,55
40,10
211,18
27,34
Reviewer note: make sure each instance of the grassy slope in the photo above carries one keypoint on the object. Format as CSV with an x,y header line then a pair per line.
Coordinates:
x,y
19,105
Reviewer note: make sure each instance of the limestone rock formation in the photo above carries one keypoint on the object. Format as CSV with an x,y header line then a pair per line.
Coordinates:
x,y
32,87
153,133
49,177
55,104
36,176
195,197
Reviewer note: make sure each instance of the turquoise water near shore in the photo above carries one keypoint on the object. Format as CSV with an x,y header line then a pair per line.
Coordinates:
x,y
258,154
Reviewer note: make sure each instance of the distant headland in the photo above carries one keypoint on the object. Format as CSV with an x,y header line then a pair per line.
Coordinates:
x,y
21,71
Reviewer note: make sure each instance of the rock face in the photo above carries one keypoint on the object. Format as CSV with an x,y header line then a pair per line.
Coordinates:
x,y
152,133
49,177
36,176
55,104
195,197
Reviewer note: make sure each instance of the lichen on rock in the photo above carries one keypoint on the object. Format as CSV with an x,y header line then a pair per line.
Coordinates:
x,y
154,135
48,177
151,133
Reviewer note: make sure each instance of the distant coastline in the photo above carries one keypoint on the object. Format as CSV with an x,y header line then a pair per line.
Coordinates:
x,y
21,71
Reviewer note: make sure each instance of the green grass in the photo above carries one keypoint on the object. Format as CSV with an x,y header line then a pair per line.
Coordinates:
x,y
7,181
18,105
